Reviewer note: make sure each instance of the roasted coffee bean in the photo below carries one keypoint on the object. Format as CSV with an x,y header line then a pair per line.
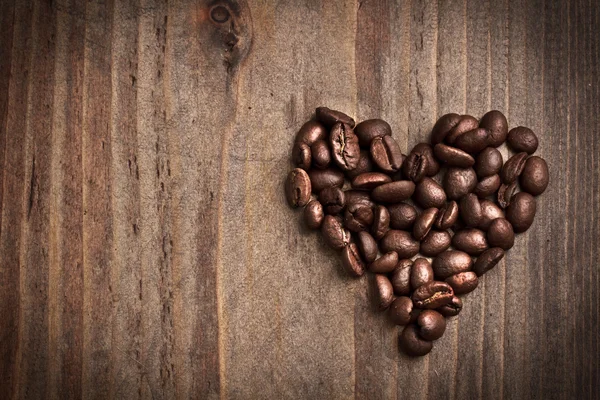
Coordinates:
x,y
367,246
470,210
352,261
301,155
463,282
386,154
522,139
428,193
345,150
364,165
424,223
447,216
473,141
489,211
412,344
435,242
421,273
495,122
401,311
535,176
414,167
333,199
431,325
370,129
432,295
433,167
381,222
314,214
401,277
452,156
487,186
324,178
385,291
488,162
472,241
501,234
370,180
513,167
451,262
402,216
393,192
358,217
443,126
459,181
401,242
334,233
297,188
451,309
321,156
358,197
521,211
310,132
505,193
467,123
384,264
488,260
330,117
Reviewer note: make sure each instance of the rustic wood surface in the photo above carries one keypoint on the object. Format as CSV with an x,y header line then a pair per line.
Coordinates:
x,y
146,248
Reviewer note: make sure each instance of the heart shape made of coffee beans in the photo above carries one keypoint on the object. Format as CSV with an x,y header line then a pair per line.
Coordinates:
x,y
428,224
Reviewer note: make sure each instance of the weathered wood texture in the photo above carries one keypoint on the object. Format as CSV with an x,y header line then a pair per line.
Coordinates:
x,y
146,248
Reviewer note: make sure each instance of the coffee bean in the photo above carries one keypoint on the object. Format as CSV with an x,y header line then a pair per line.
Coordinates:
x,y
370,129
314,214
324,178
330,117
501,234
452,156
447,216
358,216
334,234
358,197
495,122
451,262
402,216
472,241
488,162
463,282
332,199
384,264
428,193
424,222
345,150
301,155
386,154
401,242
467,123
432,295
489,212
487,186
370,180
401,311
435,242
505,193
384,291
470,210
473,141
521,211
431,325
424,149
451,309
421,273
321,156
393,192
535,176
513,167
412,344
522,139
352,261
381,222
367,246
364,165
310,132
297,188
488,260
401,277
414,167
459,181
443,126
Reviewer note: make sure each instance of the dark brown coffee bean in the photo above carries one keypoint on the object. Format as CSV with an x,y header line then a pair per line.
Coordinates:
x,y
451,309
345,150
364,165
522,139
452,156
471,241
428,193
358,216
332,199
412,344
367,246
473,141
384,291
297,188
330,117
421,273
301,155
386,154
521,211
451,262
370,129
321,156
447,216
424,223
381,222
463,282
495,122
459,181
358,197
513,167
535,176
433,167
401,311
324,178
501,234
470,210
414,167
489,212
431,325
352,261
505,193
334,234
488,163
467,123
384,264
401,242
402,216
393,192
370,180
401,277
310,132
443,126
435,242
487,186
432,295
488,260
314,214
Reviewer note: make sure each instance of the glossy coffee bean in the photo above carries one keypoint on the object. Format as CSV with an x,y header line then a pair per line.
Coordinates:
x,y
488,260
401,277
495,122
384,264
421,273
381,222
370,180
428,193
431,325
488,162
470,240
393,192
358,197
432,295
443,126
321,156
433,166
521,211
414,167
386,154
345,150
401,311
333,200
424,223
301,155
450,263
489,212
513,167
535,176
522,139
324,178
487,186
505,194
369,129
314,214
364,165
467,123
384,291
310,132
412,344
473,141
401,242
459,181
451,309
367,246
352,261
435,242
470,210
334,233
297,188
447,216
402,216
452,156
330,117
463,282
501,234
358,216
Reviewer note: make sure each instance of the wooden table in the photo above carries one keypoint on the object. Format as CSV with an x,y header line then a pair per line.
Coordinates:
x,y
146,248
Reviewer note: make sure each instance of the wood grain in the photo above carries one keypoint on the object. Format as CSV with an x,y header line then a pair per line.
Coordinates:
x,y
146,248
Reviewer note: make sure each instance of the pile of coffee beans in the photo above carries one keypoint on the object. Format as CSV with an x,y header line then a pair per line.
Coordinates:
x,y
428,224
